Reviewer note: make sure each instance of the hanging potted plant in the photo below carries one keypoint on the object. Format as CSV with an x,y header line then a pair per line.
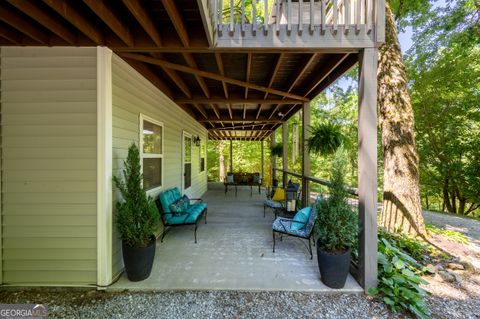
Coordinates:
x,y
336,228
277,150
137,219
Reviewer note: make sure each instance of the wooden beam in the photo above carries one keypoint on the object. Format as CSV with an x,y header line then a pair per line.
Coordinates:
x,y
326,70
305,153
65,9
201,110
239,119
237,127
23,25
259,111
39,15
173,75
235,101
201,81
214,108
140,13
302,71
230,110
11,35
210,75
218,59
177,21
147,72
275,71
110,19
249,70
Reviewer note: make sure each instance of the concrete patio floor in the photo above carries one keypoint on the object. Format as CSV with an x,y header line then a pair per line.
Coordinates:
x,y
234,252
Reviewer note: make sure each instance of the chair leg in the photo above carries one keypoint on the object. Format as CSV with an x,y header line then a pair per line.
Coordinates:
x,y
195,233
263,211
206,212
310,249
163,233
273,241
251,190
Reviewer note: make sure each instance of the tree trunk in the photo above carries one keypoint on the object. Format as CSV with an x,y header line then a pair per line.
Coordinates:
x,y
402,208
446,197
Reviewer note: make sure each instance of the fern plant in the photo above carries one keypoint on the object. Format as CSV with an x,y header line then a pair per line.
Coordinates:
x,y
325,138
277,150
137,216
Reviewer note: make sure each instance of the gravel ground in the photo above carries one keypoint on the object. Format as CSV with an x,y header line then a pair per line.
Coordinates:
x,y
467,226
188,304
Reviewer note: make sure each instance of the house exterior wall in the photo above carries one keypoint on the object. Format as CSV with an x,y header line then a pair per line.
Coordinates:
x,y
133,95
49,125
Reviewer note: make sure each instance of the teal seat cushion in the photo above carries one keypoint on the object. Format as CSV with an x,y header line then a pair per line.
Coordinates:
x,y
300,219
183,219
169,197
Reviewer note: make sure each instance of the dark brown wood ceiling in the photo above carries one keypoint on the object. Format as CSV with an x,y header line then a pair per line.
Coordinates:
x,y
236,94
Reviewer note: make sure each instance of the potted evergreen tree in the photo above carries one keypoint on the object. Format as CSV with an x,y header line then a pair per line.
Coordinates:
x,y
137,219
336,228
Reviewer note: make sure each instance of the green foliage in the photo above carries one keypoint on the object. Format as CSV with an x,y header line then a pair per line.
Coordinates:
x,y
325,138
277,150
137,216
336,226
419,250
450,234
400,278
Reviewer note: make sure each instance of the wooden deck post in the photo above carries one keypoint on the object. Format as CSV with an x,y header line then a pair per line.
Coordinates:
x,y
305,154
231,158
285,152
367,167
273,160
262,163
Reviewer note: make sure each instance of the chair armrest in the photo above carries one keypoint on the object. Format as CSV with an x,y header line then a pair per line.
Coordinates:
x,y
289,220
197,199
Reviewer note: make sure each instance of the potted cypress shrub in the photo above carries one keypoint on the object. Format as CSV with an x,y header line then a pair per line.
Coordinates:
x,y
137,219
336,228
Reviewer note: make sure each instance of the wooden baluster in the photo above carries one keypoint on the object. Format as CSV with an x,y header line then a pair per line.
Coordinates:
x,y
335,15
265,17
289,15
300,16
368,14
220,17
358,15
312,16
323,15
254,16
242,26
277,18
231,17
346,19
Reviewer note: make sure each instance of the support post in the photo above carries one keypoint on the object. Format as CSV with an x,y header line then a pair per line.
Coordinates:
x,y
262,162
273,160
305,154
231,158
367,167
285,152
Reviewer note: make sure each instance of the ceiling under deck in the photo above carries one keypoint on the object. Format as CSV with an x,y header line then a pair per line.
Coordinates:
x,y
235,94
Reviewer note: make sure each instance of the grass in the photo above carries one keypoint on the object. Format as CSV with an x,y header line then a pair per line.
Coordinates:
x,y
450,234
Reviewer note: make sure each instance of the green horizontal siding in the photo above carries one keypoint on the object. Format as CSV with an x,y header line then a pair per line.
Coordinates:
x,y
49,128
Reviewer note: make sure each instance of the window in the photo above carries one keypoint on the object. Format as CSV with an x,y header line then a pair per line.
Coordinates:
x,y
151,146
202,155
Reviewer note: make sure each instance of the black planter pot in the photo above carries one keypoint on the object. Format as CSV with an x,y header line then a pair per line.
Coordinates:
x,y
138,260
333,268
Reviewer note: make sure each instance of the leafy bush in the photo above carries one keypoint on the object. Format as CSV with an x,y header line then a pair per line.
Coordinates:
x,y
450,234
399,278
415,248
337,224
137,216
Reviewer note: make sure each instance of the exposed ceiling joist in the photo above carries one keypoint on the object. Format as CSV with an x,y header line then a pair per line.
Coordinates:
x,y
177,21
49,22
221,69
21,24
201,81
110,19
325,71
147,72
210,75
240,119
235,101
140,13
65,9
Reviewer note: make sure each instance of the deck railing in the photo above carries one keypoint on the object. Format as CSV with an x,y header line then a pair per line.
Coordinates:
x,y
322,15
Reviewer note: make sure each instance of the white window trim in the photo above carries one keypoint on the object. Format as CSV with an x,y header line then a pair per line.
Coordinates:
x,y
204,148
190,136
144,117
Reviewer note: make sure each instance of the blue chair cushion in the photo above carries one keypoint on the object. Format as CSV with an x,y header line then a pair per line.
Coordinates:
x,y
272,203
301,218
180,206
230,179
256,179
283,225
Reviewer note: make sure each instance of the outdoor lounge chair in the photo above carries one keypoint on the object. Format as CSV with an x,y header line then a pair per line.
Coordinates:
x,y
283,226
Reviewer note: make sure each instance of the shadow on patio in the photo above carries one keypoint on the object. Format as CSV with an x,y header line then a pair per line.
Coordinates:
x,y
234,252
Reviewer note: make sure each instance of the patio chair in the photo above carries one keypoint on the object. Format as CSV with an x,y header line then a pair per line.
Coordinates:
x,y
279,204
295,228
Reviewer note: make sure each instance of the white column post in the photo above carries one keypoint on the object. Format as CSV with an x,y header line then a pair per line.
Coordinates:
x,y
104,166
231,158
262,162
273,159
367,167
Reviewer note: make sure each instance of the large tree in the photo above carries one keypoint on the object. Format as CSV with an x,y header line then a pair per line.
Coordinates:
x,y
401,208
